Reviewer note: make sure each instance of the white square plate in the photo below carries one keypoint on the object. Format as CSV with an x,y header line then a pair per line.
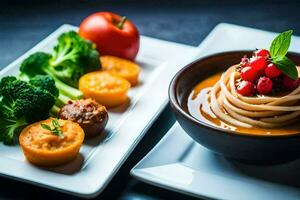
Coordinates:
x,y
100,158
180,164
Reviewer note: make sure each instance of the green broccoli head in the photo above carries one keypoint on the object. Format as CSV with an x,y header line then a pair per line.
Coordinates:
x,y
38,64
45,82
91,57
22,103
72,57
10,128
9,86
68,72
35,64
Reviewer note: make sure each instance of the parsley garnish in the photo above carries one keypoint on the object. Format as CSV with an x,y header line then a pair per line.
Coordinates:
x,y
56,130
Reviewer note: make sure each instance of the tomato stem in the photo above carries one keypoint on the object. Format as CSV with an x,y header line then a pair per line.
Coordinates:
x,y
121,23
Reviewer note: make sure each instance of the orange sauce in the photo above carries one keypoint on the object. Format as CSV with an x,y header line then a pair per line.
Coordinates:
x,y
198,106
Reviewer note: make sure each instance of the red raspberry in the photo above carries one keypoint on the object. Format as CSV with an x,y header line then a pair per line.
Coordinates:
x,y
244,61
263,53
289,83
246,88
249,74
272,71
259,63
264,85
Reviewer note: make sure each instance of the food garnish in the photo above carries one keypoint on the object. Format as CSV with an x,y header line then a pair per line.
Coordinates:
x,y
278,51
264,85
56,130
22,103
113,35
272,71
42,147
106,88
90,115
121,67
246,88
268,70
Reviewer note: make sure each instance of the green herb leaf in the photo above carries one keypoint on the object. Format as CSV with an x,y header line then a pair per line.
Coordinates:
x,y
56,128
287,66
55,123
46,127
280,45
58,133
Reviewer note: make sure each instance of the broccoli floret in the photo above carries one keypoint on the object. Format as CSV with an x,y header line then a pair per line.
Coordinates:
x,y
76,53
38,64
48,83
22,103
45,82
71,58
34,65
10,128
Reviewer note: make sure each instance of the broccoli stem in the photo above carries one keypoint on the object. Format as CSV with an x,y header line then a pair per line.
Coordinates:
x,y
65,89
64,55
54,111
61,100
24,77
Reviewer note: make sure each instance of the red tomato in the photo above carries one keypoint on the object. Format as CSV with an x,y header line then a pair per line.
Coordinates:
x,y
113,35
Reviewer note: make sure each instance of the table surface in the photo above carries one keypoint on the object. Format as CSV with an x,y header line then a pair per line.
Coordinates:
x,y
25,23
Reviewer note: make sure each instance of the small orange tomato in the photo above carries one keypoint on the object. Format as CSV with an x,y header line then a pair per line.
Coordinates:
x,y
108,89
122,67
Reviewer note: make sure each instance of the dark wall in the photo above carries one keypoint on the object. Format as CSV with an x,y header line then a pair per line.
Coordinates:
x,y
24,23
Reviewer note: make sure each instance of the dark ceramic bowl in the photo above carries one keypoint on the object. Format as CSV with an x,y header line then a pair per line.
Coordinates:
x,y
253,149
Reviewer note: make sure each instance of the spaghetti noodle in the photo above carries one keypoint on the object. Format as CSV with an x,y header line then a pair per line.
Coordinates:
x,y
246,112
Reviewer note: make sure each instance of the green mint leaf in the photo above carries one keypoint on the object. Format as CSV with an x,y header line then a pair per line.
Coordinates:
x,y
46,127
280,45
287,66
56,128
58,133
55,123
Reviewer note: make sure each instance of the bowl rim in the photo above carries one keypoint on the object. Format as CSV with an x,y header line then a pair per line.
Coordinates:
x,y
173,100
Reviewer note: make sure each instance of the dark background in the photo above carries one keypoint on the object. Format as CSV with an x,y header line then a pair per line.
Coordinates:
x,y
24,23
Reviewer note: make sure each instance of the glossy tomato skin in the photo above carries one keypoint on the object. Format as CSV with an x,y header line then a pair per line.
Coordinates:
x,y
101,28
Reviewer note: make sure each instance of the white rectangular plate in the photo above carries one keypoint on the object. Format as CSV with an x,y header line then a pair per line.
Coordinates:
x,y
100,158
180,164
